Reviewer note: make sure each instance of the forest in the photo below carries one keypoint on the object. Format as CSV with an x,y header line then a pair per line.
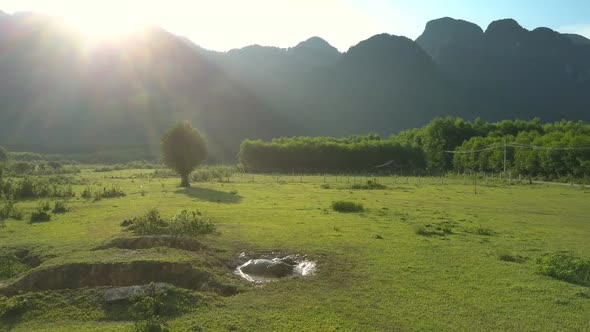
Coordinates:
x,y
528,148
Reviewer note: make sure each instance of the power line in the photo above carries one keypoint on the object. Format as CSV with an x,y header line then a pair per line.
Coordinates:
x,y
534,147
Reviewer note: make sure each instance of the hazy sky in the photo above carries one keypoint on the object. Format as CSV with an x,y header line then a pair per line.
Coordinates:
x,y
225,24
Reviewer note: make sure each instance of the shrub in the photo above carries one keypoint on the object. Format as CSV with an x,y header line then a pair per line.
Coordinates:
x,y
44,206
347,207
164,173
149,224
185,223
370,185
149,309
190,223
60,207
565,266
9,210
210,173
86,193
40,216
25,189
29,188
22,167
112,192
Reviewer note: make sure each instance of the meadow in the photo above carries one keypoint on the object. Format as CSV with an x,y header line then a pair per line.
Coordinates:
x,y
423,254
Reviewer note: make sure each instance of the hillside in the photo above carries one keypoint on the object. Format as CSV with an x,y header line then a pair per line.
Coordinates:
x,y
61,94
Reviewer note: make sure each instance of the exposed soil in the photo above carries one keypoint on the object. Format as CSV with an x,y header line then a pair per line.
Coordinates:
x,y
147,242
80,275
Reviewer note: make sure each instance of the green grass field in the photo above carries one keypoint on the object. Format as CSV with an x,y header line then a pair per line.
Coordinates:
x,y
422,256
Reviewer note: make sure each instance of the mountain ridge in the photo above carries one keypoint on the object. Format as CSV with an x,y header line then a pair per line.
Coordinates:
x,y
126,93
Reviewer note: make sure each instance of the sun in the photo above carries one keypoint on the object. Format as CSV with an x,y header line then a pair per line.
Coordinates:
x,y
102,21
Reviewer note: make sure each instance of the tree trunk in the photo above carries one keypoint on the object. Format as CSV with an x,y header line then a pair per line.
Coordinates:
x,y
184,182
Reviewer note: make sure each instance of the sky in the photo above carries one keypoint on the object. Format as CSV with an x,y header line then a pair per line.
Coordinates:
x,y
225,24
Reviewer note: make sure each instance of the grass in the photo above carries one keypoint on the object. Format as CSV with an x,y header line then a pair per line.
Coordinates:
x,y
399,281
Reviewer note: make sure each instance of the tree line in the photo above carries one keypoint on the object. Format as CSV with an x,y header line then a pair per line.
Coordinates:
x,y
445,144
327,154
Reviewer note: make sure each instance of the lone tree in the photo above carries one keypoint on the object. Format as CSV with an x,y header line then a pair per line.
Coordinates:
x,y
183,149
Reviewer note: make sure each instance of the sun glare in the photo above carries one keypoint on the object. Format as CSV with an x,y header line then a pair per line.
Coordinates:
x,y
102,21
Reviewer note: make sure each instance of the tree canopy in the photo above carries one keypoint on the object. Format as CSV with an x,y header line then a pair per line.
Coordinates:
x,y
183,149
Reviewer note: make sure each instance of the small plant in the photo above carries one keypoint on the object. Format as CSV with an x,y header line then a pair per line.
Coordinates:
x,y
431,230
347,207
40,216
508,257
423,230
60,207
370,185
325,186
565,266
484,231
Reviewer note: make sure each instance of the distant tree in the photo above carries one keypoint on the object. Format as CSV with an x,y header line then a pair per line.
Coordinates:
x,y
3,154
183,149
3,159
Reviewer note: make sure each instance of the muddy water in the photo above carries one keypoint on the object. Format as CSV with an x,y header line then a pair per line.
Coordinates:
x,y
261,270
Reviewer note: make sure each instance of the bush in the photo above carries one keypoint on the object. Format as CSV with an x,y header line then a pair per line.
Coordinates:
x,y
370,185
40,216
149,310
9,210
149,224
190,223
347,207
209,173
185,223
10,265
86,193
30,188
98,194
112,192
565,266
44,206
60,207
22,167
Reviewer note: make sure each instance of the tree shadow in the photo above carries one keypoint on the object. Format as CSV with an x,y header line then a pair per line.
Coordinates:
x,y
210,195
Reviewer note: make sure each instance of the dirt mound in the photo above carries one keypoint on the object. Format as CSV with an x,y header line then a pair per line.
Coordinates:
x,y
80,275
147,242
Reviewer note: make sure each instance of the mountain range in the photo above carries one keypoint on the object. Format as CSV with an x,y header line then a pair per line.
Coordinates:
x,y
60,93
